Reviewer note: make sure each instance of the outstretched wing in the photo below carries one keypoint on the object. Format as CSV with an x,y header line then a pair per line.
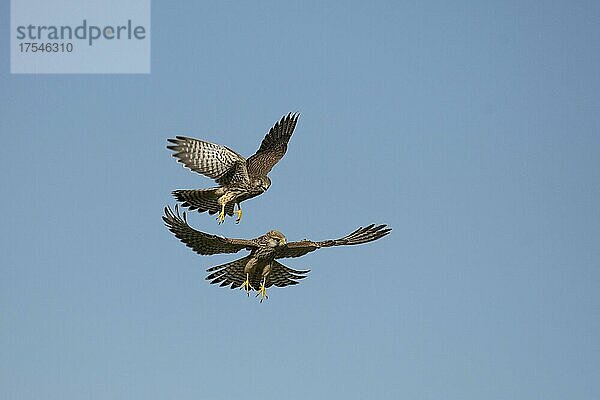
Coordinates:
x,y
359,236
200,242
273,146
209,159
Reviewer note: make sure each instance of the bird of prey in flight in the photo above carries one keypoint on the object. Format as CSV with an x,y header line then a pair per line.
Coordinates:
x,y
238,178
259,269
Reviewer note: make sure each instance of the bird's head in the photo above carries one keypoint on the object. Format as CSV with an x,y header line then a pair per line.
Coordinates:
x,y
276,239
262,182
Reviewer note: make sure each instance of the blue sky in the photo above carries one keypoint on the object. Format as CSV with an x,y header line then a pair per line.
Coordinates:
x,y
471,128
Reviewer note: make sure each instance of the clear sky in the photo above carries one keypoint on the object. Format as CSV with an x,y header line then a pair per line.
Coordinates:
x,y
472,128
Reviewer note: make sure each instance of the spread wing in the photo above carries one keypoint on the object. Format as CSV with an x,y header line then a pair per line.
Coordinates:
x,y
200,242
273,146
359,236
209,159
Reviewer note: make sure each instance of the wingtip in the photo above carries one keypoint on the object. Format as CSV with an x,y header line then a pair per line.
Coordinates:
x,y
172,215
290,116
168,217
384,228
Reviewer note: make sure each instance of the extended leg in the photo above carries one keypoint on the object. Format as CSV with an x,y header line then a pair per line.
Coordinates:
x,y
239,213
263,290
221,216
246,285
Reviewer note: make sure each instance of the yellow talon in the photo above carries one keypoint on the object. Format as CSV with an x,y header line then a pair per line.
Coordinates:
x,y
221,216
262,291
239,215
246,285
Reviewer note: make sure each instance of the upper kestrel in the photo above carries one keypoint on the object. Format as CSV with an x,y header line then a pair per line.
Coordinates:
x,y
238,179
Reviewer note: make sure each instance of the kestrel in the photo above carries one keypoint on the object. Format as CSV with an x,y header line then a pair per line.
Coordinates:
x,y
260,268
238,179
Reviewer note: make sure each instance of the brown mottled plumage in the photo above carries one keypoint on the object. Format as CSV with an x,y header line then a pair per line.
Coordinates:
x,y
259,268
238,179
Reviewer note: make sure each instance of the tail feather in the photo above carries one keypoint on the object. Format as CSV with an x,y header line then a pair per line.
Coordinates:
x,y
232,274
281,275
202,200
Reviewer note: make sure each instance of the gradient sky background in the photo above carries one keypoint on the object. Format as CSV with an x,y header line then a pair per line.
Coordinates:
x,y
472,128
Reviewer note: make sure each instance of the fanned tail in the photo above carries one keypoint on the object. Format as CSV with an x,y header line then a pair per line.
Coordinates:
x,y
230,274
202,200
282,276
